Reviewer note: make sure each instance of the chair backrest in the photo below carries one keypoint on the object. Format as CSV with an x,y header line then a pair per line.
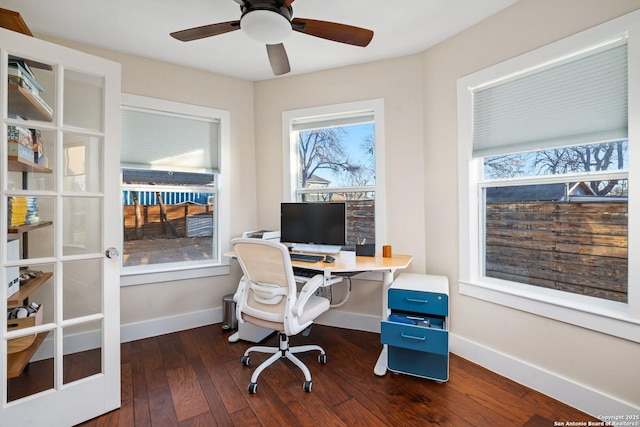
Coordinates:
x,y
269,290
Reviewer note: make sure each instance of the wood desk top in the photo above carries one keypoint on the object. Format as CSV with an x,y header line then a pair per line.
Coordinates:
x,y
348,262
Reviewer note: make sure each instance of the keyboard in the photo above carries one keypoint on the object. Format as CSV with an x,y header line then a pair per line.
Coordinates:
x,y
305,257
301,272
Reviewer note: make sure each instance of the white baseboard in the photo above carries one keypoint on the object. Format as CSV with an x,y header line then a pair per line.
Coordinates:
x,y
565,390
167,325
133,331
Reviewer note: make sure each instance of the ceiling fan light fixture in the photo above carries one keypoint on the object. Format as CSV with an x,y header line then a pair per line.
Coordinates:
x,y
266,26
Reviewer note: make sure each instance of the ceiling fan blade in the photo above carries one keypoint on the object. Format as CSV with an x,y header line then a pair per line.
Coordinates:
x,y
243,2
286,3
278,59
205,31
333,31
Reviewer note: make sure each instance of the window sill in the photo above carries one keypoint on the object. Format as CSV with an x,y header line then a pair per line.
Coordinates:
x,y
608,317
161,273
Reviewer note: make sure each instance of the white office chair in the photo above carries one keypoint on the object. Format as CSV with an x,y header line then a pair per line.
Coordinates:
x,y
267,297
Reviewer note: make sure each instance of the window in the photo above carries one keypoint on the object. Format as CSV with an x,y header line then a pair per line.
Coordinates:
x,y
174,214
564,232
547,166
335,153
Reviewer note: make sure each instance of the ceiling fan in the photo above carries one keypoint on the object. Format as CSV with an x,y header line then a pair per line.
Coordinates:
x,y
271,22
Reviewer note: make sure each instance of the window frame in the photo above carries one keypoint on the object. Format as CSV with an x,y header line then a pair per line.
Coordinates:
x,y
182,271
290,153
614,318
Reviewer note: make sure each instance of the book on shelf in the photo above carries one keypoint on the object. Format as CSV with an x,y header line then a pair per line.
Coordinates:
x,y
21,151
16,78
20,135
25,72
22,210
34,94
20,74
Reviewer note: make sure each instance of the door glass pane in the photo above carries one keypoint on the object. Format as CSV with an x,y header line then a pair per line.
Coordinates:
x,y
36,285
82,157
30,89
30,356
39,375
82,288
81,225
31,158
82,100
82,351
30,220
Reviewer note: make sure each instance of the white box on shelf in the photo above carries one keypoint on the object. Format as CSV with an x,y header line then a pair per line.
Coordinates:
x,y
13,273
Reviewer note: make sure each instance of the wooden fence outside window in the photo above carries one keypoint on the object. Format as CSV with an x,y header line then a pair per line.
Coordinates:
x,y
579,247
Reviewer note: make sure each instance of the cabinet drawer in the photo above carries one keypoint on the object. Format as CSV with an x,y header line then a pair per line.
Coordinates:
x,y
424,365
419,302
417,338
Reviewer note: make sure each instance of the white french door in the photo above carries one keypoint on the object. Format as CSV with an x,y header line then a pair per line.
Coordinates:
x,y
59,197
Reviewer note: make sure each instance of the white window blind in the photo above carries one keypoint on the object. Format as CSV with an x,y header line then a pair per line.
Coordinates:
x,y
332,121
577,101
153,139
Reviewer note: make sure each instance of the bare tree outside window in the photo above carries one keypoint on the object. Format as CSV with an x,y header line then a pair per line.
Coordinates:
x,y
566,160
346,162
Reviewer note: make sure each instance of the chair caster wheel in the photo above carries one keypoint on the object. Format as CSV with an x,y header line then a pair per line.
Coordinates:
x,y
253,388
245,360
322,358
306,386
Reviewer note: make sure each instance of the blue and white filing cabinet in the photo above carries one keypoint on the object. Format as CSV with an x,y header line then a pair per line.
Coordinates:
x,y
416,330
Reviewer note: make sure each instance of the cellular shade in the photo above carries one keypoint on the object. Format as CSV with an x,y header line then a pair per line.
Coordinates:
x,y
166,141
578,101
337,120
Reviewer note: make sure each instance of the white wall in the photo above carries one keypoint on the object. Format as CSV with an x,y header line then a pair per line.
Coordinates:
x,y
597,361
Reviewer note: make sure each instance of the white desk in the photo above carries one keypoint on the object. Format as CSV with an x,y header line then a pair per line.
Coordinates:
x,y
348,262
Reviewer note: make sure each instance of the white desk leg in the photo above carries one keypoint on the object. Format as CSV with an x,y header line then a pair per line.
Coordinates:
x,y
234,337
381,365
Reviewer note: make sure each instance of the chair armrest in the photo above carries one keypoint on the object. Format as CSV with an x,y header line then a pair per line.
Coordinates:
x,y
236,298
307,291
239,289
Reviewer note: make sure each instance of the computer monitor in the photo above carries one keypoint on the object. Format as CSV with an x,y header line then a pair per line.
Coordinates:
x,y
319,227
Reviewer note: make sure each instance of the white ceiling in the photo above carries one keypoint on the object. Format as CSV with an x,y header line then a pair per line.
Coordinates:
x,y
142,27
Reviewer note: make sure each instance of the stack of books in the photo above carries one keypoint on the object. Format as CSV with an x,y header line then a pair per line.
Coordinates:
x,y
21,75
22,210
20,142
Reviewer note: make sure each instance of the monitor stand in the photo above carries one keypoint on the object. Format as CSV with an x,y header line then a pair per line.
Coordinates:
x,y
317,249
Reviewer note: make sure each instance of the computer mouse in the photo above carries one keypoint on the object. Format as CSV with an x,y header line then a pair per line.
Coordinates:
x,y
329,258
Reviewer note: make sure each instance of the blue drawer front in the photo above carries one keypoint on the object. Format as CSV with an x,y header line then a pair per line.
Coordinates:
x,y
417,338
419,302
419,364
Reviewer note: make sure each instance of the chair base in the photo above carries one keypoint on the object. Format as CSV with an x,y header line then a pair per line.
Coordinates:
x,y
283,351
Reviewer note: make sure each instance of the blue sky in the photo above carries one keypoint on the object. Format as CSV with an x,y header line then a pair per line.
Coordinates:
x,y
353,139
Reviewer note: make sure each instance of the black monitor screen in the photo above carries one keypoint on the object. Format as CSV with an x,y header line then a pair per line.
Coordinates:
x,y
313,223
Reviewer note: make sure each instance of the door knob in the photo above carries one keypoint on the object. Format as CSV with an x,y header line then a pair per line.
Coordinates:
x,y
112,253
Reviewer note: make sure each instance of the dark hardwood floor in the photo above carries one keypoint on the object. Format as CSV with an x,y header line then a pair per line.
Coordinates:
x,y
195,378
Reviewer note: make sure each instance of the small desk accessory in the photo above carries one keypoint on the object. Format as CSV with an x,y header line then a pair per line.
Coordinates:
x,y
366,249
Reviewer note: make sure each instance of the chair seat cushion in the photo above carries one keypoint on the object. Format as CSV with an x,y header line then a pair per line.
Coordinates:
x,y
314,307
